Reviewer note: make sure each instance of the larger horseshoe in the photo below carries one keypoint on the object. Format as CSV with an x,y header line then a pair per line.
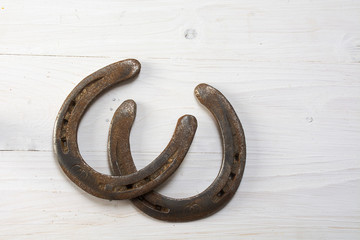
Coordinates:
x,y
218,194
102,185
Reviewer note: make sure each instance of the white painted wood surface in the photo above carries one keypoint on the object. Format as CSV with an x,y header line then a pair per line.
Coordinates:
x,y
291,69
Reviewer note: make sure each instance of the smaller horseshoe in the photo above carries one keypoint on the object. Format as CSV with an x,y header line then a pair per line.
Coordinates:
x,y
218,194
102,185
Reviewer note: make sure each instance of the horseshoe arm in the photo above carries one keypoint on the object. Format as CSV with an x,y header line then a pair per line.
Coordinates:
x,y
219,193
119,139
102,185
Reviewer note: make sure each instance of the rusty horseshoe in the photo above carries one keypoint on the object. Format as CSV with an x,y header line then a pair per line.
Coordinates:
x,y
101,185
218,194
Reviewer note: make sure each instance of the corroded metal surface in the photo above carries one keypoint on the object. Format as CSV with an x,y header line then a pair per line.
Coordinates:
x,y
102,185
218,194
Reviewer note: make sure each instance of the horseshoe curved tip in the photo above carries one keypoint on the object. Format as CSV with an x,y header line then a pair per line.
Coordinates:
x,y
123,69
203,89
205,92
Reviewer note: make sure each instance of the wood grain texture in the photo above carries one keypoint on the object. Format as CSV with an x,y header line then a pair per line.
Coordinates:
x,y
290,69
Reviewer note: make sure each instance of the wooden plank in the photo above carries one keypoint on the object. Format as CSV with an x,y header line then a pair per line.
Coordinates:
x,y
280,30
296,102
39,202
290,69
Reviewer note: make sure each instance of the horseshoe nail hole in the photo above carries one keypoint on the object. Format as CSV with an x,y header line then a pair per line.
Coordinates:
x,y
117,189
232,176
236,156
221,193
71,106
161,209
65,122
154,206
129,186
147,179
64,144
